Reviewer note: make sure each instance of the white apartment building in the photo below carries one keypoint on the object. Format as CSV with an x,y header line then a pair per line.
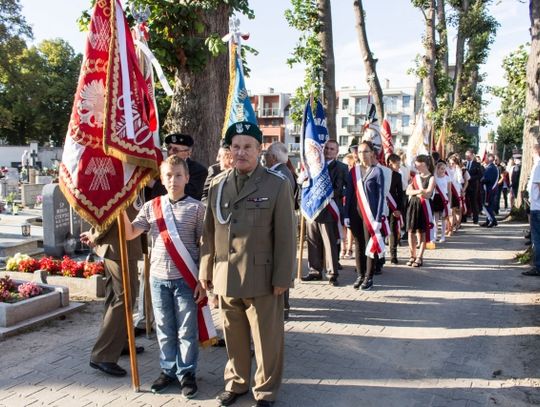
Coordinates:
x,y
352,109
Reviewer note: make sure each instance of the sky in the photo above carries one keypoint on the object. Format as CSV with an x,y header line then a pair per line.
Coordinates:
x,y
394,29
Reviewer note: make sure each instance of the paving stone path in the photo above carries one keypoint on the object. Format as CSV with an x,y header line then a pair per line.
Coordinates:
x,y
461,331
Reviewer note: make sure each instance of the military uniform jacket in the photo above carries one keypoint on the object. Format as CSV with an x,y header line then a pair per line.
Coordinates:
x,y
253,252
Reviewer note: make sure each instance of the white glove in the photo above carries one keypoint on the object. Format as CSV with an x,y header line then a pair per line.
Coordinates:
x,y
347,223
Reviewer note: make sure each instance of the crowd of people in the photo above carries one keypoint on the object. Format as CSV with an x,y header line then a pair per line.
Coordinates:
x,y
229,233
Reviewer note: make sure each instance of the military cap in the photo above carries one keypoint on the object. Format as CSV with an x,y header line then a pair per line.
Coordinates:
x,y
243,129
177,138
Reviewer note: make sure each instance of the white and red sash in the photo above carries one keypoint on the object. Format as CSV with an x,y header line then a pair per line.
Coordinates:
x,y
185,264
392,205
334,211
375,244
444,197
426,208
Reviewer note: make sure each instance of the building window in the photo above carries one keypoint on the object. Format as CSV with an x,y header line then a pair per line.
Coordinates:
x,y
406,101
393,122
360,105
343,140
344,122
390,104
344,104
405,119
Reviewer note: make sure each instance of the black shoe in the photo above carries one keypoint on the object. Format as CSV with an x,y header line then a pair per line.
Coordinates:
x,y
263,403
220,343
228,397
339,267
189,385
531,272
475,221
162,382
394,260
367,285
485,224
492,224
312,276
109,367
358,282
333,281
377,271
138,349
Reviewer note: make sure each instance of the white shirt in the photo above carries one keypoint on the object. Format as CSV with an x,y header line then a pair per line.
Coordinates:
x,y
534,186
405,174
442,183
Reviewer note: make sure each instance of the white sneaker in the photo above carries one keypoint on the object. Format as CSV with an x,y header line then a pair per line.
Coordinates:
x,y
442,240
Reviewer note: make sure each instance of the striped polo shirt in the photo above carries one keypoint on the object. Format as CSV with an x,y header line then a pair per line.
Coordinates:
x,y
188,217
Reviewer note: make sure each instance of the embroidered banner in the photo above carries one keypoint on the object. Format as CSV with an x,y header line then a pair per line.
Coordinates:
x,y
109,152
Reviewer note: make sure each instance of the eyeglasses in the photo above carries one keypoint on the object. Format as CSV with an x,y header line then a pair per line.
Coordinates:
x,y
364,151
175,150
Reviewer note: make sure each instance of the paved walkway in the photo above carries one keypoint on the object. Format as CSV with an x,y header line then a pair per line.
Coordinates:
x,y
461,331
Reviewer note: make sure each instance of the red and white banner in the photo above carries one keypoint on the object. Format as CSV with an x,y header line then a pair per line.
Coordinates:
x,y
375,245
334,211
386,136
109,153
426,209
184,263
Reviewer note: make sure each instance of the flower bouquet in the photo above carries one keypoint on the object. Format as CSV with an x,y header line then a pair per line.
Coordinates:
x,y
10,292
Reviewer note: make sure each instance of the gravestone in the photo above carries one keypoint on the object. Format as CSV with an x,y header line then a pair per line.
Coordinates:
x,y
10,183
56,220
78,225
29,192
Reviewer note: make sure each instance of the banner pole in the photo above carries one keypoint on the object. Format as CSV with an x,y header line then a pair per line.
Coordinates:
x,y
301,246
127,304
147,296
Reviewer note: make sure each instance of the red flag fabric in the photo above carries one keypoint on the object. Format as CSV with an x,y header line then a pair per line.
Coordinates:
x,y
386,135
109,153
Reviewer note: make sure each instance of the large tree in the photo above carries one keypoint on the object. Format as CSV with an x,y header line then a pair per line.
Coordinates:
x,y
531,130
312,18
370,63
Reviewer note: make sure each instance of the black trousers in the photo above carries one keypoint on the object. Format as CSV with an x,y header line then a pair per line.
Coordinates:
x,y
473,200
365,265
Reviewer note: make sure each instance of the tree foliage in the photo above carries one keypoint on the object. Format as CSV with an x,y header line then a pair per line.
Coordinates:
x,y
460,100
303,16
512,110
37,93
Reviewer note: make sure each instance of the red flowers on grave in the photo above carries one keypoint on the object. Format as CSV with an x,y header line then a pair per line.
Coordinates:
x,y
50,265
28,265
71,268
93,268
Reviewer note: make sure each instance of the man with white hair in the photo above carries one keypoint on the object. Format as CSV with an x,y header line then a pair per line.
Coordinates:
x,y
276,157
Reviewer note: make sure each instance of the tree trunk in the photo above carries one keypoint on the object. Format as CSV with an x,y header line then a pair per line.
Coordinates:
x,y
443,36
460,54
532,100
329,81
369,62
428,82
199,100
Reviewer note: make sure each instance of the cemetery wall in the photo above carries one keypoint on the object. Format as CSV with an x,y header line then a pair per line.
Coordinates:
x,y
46,155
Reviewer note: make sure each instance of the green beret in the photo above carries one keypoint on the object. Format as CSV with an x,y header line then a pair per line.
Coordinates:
x,y
243,129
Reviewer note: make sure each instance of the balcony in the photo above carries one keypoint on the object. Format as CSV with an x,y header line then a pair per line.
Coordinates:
x,y
356,129
270,112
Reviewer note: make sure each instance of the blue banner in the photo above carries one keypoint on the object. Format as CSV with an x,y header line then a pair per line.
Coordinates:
x,y
239,108
317,191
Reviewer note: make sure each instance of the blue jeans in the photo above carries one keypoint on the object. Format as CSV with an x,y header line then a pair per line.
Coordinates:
x,y
535,237
175,313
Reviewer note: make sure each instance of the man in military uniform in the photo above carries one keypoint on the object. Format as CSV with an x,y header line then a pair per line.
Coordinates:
x,y
112,337
247,258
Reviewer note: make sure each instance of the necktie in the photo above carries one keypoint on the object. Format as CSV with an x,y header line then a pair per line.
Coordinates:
x,y
240,181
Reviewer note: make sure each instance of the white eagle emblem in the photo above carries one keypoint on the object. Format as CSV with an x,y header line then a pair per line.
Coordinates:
x,y
239,128
92,104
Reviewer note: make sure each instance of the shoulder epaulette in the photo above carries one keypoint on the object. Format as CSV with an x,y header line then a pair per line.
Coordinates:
x,y
276,173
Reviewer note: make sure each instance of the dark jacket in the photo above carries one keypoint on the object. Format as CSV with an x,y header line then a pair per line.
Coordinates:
x,y
374,189
213,170
396,190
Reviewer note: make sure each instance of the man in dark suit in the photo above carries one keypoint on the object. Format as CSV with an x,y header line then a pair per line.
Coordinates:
x,y
224,162
182,146
489,183
323,232
473,190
